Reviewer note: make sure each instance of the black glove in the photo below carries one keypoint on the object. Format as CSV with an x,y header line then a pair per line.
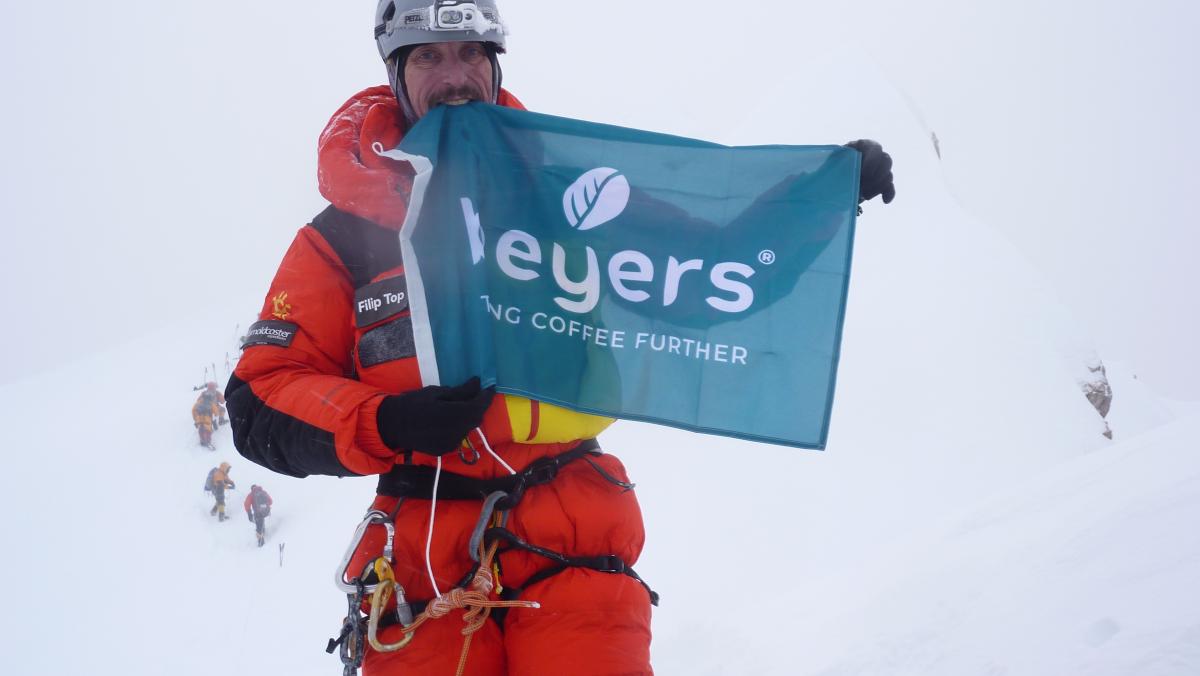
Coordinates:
x,y
249,517
433,420
876,176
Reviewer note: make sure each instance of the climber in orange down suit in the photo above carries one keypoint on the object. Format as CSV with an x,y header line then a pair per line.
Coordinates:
x,y
324,387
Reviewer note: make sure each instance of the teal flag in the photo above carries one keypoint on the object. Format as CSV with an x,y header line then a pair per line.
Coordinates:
x,y
630,274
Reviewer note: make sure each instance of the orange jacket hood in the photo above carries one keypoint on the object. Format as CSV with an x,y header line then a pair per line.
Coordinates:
x,y
351,175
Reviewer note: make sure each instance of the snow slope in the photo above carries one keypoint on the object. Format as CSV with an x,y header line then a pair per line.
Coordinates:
x,y
1088,568
955,414
115,565
967,519
952,553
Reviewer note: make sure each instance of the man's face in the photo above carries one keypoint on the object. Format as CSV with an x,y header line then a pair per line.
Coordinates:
x,y
447,72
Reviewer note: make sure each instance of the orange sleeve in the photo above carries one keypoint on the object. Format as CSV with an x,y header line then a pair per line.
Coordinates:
x,y
293,404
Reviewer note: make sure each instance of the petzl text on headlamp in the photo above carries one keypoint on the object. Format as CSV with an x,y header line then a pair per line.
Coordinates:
x,y
450,15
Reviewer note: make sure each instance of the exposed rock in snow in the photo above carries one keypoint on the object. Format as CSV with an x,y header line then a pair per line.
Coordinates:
x,y
1098,391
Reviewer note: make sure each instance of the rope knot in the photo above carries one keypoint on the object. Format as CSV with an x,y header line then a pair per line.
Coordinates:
x,y
442,605
483,582
476,601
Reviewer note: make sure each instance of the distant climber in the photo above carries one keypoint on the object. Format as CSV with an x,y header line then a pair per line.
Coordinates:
x,y
216,483
258,508
208,413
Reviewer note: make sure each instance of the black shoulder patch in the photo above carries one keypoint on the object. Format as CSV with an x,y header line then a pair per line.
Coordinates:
x,y
378,301
394,340
270,332
366,249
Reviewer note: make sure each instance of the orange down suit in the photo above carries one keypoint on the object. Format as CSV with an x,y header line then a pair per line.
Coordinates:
x,y
304,398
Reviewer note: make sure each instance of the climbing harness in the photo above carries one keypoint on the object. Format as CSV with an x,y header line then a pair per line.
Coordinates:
x,y
608,563
479,593
473,597
416,481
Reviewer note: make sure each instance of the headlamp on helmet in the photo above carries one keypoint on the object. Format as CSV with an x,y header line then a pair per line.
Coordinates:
x,y
400,23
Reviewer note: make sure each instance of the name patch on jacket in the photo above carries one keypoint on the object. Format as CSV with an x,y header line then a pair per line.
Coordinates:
x,y
270,332
389,342
378,301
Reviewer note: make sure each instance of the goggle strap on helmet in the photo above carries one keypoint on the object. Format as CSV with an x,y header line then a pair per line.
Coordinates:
x,y
399,88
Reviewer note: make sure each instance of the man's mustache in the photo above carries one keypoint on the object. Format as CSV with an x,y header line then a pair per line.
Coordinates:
x,y
452,93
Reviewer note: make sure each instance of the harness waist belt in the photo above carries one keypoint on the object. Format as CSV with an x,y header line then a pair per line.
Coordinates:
x,y
416,481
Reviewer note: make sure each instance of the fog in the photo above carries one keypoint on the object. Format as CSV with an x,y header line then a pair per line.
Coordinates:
x,y
141,134
159,159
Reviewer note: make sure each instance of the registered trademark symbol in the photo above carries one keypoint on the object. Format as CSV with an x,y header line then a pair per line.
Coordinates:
x,y
767,257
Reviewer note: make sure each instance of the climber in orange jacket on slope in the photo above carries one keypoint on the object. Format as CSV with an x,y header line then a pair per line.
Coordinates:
x,y
330,385
324,389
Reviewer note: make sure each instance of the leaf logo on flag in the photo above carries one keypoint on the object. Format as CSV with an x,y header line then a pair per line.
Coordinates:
x,y
596,198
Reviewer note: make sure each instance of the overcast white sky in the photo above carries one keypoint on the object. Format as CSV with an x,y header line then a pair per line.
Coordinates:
x,y
138,134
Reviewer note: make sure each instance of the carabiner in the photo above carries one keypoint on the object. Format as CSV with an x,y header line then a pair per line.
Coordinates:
x,y
474,453
373,517
485,517
379,599
384,573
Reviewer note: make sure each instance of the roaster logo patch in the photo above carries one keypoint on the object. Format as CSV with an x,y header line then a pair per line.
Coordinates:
x,y
281,307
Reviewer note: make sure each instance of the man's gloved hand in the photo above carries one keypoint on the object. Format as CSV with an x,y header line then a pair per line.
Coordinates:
x,y
249,517
432,420
876,176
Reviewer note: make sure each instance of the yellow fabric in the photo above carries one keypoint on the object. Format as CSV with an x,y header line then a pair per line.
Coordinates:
x,y
205,414
555,424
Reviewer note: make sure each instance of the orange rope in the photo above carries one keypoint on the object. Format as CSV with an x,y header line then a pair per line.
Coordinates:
x,y
462,659
475,600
